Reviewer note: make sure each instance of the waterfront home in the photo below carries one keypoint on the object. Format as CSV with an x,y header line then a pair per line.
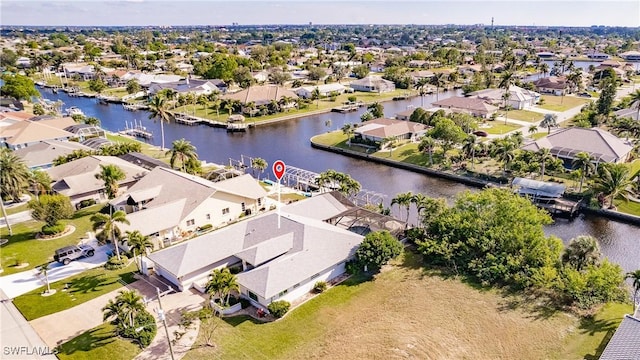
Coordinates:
x,y
373,84
377,130
84,132
556,85
77,179
600,144
279,257
467,105
631,55
25,133
191,86
261,94
169,205
306,92
598,56
519,98
83,71
42,154
625,342
406,114
418,75
147,80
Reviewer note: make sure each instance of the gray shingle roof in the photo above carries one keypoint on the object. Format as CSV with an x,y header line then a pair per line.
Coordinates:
x,y
45,152
625,343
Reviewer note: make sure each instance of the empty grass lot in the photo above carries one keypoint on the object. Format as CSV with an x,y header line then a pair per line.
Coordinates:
x,y
23,246
98,343
525,115
561,103
407,312
499,127
82,288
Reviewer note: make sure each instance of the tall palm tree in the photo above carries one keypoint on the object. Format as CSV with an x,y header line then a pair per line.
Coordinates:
x,y
543,156
183,151
613,180
421,89
635,99
125,308
544,68
14,175
503,150
438,80
202,100
635,279
403,199
549,121
348,130
259,164
469,147
584,162
581,252
427,144
109,224
39,182
158,110
533,129
139,244
44,271
110,174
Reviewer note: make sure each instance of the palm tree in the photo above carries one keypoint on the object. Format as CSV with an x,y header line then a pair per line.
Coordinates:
x,y
635,278
40,182
419,200
14,175
469,147
584,162
437,80
427,144
110,174
549,121
533,129
158,110
403,199
503,150
202,100
421,89
125,308
44,271
139,244
221,283
315,95
348,130
109,224
581,252
259,164
544,68
613,180
635,99
183,151
544,155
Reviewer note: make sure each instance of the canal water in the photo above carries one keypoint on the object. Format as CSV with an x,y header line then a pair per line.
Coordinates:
x,y
289,141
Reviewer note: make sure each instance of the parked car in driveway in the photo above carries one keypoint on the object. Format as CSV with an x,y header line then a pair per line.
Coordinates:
x,y
584,94
480,133
69,253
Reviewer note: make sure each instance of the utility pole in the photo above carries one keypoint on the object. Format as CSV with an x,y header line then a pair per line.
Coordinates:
x,y
164,322
6,218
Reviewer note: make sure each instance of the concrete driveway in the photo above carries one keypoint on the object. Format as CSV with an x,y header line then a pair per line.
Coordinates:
x,y
16,218
17,284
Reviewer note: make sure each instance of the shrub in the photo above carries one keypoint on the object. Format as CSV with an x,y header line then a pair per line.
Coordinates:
x,y
51,208
320,286
85,203
146,324
53,229
113,263
279,308
205,227
377,249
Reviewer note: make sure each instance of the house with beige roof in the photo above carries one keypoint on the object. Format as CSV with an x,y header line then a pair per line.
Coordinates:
x,y
556,85
25,133
519,98
77,179
313,242
601,145
261,94
373,84
170,205
467,105
377,130
42,154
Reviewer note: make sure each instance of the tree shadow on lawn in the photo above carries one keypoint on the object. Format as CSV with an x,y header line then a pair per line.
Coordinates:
x,y
87,284
240,319
88,341
590,325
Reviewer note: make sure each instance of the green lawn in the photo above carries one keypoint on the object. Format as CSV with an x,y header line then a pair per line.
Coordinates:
x,y
322,105
17,209
634,167
414,312
499,128
538,135
98,343
628,207
81,288
24,246
561,103
525,115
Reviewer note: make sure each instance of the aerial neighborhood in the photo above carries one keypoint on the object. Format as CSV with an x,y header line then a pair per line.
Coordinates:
x,y
306,191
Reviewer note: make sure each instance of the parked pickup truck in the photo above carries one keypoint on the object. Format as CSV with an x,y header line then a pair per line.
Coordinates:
x,y
69,253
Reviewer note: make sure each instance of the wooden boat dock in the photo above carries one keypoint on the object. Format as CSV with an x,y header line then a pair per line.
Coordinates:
x,y
348,107
135,106
560,207
137,130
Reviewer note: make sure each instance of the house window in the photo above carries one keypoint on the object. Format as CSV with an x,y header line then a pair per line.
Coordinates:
x,y
208,216
315,276
259,202
191,222
243,207
252,296
283,293
225,211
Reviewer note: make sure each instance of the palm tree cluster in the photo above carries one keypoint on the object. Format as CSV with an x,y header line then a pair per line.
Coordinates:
x,y
221,284
259,164
335,180
124,308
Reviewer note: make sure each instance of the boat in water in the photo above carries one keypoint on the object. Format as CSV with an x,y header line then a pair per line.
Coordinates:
x,y
74,110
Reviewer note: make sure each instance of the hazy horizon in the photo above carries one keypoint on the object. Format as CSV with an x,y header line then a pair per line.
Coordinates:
x,y
299,12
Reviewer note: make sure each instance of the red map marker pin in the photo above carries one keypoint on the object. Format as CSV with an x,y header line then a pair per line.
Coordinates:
x,y
278,169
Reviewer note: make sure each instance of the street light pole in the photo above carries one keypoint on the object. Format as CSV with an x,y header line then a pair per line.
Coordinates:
x,y
164,322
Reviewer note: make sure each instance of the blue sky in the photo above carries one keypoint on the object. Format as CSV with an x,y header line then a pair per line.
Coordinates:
x,y
217,12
